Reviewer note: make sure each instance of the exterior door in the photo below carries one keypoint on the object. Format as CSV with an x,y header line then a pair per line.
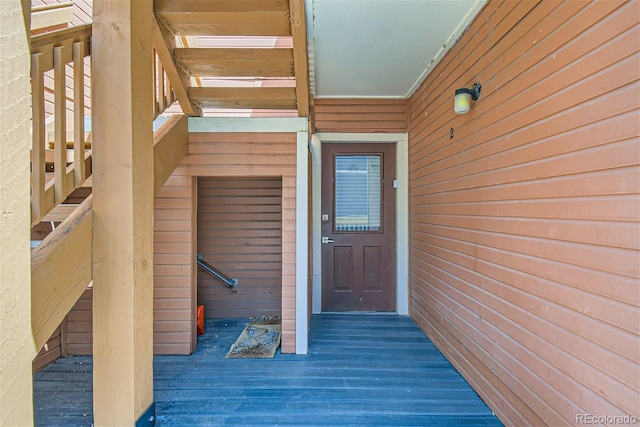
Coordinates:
x,y
358,227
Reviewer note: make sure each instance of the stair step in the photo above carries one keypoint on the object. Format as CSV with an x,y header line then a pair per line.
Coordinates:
x,y
236,62
226,17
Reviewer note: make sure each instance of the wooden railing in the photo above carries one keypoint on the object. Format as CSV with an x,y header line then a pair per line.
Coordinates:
x,y
164,95
61,162
58,79
60,82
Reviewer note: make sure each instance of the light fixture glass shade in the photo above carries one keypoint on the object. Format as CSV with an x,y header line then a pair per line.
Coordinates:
x,y
462,101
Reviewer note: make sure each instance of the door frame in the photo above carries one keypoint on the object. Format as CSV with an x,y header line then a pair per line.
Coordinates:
x,y
402,209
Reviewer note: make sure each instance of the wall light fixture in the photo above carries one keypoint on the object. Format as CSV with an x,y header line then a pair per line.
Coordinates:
x,y
462,101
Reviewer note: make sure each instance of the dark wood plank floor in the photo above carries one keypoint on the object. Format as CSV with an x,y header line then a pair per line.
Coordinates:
x,y
362,369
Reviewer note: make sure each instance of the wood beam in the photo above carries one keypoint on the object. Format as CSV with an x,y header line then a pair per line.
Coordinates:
x,y
45,43
243,97
236,62
62,55
299,33
38,158
230,23
79,145
164,44
123,201
63,258
59,214
226,17
219,6
169,148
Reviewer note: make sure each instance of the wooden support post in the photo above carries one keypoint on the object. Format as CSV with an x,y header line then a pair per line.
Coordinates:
x,y
38,139
154,76
123,192
61,56
79,169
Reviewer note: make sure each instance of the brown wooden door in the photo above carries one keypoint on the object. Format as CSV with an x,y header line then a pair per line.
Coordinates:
x,y
358,227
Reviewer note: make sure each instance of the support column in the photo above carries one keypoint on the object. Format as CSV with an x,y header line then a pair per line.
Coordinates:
x,y
17,349
123,190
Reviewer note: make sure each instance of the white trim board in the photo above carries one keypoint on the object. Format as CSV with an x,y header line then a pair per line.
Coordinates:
x,y
248,124
402,209
302,243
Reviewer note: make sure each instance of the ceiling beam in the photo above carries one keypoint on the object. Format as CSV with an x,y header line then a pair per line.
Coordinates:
x,y
243,97
164,44
299,33
236,62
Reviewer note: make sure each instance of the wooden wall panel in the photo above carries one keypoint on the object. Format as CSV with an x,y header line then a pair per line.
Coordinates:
x,y
174,311
240,235
80,326
360,115
524,233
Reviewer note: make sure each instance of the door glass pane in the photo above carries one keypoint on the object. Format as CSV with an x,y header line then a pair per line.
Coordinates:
x,y
357,192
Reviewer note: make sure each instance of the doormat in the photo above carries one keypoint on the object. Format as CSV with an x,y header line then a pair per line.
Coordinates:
x,y
258,340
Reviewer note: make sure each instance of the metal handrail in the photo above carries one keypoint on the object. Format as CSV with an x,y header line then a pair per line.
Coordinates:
x,y
232,283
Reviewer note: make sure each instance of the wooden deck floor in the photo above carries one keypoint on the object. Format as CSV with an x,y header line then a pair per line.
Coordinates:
x,y
362,369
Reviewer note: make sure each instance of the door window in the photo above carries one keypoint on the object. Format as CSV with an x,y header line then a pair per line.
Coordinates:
x,y
358,193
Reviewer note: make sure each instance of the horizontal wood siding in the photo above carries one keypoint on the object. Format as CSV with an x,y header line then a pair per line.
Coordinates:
x,y
240,235
80,326
524,236
51,352
360,115
242,155
174,308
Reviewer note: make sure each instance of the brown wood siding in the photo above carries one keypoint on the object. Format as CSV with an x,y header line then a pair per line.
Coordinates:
x,y
240,235
80,326
241,155
360,115
174,311
51,352
524,236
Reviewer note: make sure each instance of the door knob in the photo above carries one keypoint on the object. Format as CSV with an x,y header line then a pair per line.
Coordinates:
x,y
327,240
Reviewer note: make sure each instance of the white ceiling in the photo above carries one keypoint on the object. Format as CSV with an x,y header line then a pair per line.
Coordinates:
x,y
380,48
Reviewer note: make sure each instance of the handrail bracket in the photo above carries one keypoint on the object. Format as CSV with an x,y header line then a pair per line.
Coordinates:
x,y
230,282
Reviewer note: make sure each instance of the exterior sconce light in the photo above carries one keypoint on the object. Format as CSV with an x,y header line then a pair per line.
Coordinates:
x,y
462,101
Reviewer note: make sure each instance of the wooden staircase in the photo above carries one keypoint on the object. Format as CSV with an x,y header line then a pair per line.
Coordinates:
x,y
241,75
272,76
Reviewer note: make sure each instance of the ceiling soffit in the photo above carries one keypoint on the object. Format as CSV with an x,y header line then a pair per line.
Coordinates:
x,y
380,48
